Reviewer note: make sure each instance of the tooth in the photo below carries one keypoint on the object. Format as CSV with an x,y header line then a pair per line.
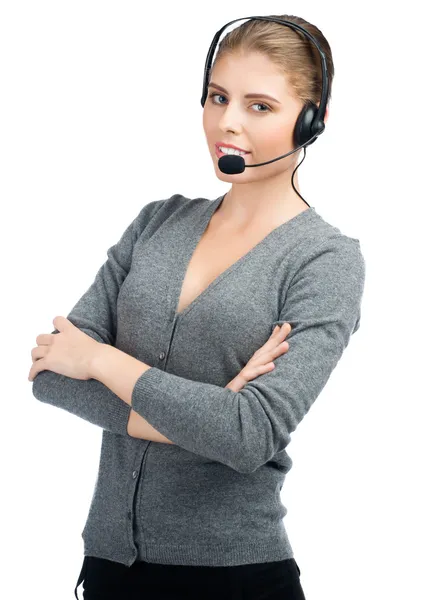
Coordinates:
x,y
232,151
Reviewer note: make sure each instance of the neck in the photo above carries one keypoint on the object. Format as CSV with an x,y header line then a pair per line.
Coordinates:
x,y
260,202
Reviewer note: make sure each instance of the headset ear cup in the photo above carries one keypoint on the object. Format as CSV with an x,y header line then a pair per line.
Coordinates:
x,y
303,126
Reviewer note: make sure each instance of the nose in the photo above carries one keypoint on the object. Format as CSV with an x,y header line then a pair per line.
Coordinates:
x,y
231,119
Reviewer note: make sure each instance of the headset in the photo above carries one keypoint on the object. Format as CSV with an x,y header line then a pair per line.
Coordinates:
x,y
310,122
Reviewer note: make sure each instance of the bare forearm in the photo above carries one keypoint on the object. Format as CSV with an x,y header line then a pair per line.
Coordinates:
x,y
119,372
138,427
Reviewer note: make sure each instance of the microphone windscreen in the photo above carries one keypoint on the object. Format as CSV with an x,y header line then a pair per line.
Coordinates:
x,y
231,164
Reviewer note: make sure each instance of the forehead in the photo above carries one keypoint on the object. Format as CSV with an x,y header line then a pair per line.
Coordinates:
x,y
249,63
250,72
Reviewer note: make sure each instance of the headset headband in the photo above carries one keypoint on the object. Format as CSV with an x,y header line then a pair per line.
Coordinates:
x,y
323,102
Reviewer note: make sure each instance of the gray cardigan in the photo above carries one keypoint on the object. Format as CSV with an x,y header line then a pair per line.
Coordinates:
x,y
212,498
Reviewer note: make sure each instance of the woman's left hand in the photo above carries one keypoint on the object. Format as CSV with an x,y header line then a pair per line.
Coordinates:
x,y
69,352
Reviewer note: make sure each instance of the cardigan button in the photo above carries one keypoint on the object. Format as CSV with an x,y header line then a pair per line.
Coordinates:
x,y
134,474
162,355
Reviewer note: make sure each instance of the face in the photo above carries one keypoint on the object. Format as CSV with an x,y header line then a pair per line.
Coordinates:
x,y
260,125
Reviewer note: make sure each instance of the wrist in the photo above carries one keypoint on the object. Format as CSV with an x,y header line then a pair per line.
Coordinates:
x,y
97,360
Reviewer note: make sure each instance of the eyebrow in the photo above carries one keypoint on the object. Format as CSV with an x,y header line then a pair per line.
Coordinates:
x,y
219,87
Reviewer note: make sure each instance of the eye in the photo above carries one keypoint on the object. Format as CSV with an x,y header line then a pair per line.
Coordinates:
x,y
212,94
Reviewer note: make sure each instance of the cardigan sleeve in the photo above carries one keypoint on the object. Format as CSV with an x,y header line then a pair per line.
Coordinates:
x,y
95,315
245,429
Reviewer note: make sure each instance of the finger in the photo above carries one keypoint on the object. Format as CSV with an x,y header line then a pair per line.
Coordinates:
x,y
281,330
284,332
279,334
254,371
37,352
283,347
37,367
44,338
277,351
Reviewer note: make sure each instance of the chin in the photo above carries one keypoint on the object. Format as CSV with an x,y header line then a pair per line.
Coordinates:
x,y
227,176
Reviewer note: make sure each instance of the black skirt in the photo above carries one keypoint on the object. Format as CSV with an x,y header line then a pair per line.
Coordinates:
x,y
107,580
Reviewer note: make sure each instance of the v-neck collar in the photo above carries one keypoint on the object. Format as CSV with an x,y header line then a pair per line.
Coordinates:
x,y
195,239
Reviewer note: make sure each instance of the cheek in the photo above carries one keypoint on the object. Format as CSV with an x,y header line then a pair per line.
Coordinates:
x,y
209,130
207,120
277,138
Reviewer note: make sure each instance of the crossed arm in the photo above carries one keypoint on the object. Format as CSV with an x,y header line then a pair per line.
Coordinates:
x,y
323,305
117,371
138,427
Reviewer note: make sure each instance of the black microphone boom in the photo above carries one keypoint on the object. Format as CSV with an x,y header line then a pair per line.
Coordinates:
x,y
232,164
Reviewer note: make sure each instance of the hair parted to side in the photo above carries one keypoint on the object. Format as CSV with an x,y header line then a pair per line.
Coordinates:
x,y
291,51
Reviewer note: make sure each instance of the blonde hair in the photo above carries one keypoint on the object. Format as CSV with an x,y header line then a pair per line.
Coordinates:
x,y
293,53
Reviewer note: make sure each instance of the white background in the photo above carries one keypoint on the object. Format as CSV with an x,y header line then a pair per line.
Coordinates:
x,y
100,114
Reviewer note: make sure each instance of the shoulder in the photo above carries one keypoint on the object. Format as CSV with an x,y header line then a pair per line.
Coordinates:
x,y
175,203
162,209
337,257
330,279
324,238
153,214
328,259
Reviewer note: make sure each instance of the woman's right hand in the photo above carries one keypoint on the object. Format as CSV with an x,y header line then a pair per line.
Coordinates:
x,y
261,361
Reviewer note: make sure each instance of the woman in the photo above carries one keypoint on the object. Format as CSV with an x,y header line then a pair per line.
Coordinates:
x,y
184,323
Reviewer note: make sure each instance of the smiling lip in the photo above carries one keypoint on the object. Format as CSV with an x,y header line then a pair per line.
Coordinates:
x,y
219,153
